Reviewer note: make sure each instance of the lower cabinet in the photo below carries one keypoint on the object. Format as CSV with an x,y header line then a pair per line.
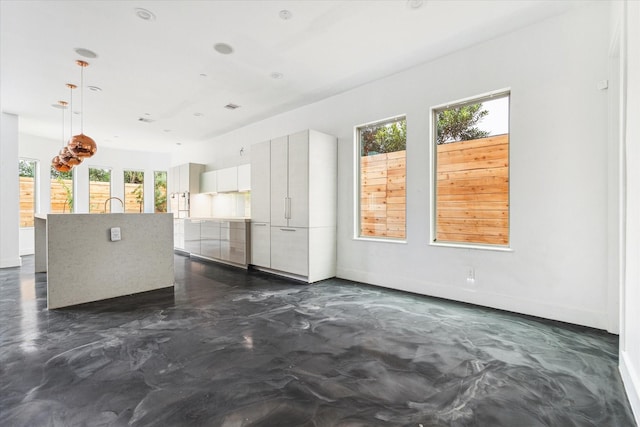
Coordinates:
x,y
233,242
303,253
210,239
261,244
290,250
218,240
192,235
178,234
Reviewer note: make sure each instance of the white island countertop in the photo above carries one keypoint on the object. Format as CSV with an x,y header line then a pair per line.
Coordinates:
x,y
221,219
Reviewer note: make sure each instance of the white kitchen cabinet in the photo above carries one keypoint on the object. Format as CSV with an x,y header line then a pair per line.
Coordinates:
x,y
178,234
290,250
192,235
173,178
279,190
208,182
184,178
261,182
301,199
244,177
210,239
261,244
233,242
227,179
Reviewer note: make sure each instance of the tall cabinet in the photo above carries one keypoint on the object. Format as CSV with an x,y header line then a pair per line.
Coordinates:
x,y
293,205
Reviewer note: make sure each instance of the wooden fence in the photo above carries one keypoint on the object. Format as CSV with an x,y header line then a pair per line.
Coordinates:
x,y
383,195
472,195
60,202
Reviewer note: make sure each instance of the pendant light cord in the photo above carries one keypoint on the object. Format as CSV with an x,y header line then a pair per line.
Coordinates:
x,y
82,98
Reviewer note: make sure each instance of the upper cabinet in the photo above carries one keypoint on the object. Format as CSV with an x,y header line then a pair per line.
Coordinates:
x,y
209,182
184,178
244,177
228,180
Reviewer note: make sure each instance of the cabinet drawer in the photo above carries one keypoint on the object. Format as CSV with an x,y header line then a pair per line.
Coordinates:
x,y
290,250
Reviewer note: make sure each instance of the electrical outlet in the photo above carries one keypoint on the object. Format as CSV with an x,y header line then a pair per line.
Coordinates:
x,y
115,234
471,275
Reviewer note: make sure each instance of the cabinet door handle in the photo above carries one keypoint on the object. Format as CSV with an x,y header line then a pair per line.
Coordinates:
x,y
260,224
287,229
285,208
288,207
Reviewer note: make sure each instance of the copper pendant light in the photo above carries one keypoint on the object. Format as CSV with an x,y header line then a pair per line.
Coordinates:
x,y
81,145
57,162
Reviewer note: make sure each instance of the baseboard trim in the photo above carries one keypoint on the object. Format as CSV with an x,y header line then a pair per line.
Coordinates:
x,y
631,384
562,313
10,262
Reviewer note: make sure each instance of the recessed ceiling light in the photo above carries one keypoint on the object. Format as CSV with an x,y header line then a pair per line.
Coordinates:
x,y
144,14
203,75
85,52
223,48
277,75
60,106
414,4
178,143
166,130
231,106
285,14
94,88
198,114
145,120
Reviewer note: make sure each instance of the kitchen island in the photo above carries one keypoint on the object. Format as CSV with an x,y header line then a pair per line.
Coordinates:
x,y
86,262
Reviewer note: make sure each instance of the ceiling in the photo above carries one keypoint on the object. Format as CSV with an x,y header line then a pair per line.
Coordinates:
x,y
166,71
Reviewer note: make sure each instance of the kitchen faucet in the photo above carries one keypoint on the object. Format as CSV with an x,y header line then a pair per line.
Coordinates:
x,y
107,201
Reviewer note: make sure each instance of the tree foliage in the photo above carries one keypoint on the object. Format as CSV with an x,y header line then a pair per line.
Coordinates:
x,y
383,138
26,168
133,177
459,124
99,175
160,191
62,175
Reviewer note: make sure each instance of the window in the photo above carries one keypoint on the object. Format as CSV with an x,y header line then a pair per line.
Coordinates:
x,y
99,190
471,165
160,191
61,191
381,175
133,191
27,174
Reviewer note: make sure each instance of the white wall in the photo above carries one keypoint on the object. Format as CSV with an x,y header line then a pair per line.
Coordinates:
x,y
9,191
43,150
630,293
558,267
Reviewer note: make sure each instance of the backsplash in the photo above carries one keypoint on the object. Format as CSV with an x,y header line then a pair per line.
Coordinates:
x,y
221,205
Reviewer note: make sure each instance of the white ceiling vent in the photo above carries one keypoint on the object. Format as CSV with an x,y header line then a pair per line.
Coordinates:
x,y
231,106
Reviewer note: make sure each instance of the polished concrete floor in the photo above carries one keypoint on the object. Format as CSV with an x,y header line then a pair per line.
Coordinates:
x,y
233,348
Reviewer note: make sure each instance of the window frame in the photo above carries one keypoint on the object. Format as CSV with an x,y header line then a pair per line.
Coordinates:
x,y
357,183
500,93
166,190
74,191
124,188
110,169
36,187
